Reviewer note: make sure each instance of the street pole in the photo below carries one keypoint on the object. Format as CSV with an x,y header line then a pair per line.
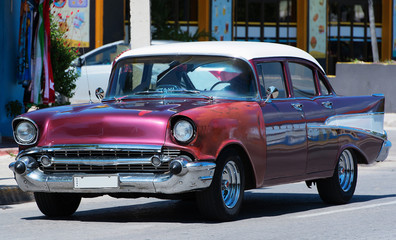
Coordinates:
x,y
374,45
140,23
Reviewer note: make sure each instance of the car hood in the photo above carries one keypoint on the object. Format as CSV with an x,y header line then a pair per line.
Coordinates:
x,y
127,122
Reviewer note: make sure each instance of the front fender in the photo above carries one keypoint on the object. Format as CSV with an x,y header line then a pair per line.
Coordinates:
x,y
222,124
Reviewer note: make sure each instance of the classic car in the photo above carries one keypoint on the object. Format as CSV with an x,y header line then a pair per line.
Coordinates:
x,y
207,120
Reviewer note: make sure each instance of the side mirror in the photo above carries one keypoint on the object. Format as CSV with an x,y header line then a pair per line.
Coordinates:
x,y
272,92
80,62
99,93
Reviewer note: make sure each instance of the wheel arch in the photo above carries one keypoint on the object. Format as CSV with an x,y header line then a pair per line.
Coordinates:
x,y
250,180
360,155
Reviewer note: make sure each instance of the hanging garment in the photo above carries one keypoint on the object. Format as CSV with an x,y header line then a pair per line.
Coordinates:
x,y
25,43
49,88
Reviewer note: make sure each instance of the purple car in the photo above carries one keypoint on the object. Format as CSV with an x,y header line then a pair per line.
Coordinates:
x,y
206,120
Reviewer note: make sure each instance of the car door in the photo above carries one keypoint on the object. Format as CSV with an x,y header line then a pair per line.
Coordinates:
x,y
92,77
285,126
314,95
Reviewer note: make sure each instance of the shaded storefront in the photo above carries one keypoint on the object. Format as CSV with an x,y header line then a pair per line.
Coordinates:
x,y
331,30
9,34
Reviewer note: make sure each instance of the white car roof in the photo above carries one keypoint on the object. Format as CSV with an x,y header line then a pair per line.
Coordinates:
x,y
102,47
245,50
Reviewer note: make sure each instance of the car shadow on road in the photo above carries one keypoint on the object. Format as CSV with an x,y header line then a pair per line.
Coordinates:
x,y
255,205
278,204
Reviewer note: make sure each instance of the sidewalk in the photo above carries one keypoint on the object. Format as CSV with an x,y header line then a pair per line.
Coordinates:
x,y
11,194
9,191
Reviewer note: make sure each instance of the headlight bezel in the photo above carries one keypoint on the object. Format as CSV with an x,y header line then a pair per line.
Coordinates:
x,y
16,123
177,123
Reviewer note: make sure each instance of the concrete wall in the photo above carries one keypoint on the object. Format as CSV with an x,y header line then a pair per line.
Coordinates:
x,y
9,34
140,23
365,79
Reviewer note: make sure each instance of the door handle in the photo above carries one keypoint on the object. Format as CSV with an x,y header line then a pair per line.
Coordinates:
x,y
297,106
328,105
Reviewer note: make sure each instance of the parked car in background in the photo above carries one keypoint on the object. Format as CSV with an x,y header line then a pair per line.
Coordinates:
x,y
208,120
94,69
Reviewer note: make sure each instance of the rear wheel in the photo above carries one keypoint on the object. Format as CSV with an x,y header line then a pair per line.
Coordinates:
x,y
340,188
223,199
57,204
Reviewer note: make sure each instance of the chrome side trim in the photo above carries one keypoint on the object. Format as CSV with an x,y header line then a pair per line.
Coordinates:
x,y
315,130
370,122
382,136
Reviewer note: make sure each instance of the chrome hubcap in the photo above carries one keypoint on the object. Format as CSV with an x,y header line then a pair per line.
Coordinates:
x,y
346,170
230,184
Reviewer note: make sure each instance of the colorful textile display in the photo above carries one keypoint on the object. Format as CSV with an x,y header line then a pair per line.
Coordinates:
x,y
49,89
35,87
25,42
34,61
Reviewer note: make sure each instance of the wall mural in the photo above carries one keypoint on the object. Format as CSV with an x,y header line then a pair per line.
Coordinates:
x,y
73,17
317,28
222,20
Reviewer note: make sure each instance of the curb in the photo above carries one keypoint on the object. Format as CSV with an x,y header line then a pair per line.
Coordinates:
x,y
13,195
9,151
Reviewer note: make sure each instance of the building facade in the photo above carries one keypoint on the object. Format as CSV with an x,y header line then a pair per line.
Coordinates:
x,y
331,30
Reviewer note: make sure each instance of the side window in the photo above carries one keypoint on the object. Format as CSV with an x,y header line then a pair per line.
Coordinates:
x,y
324,91
271,74
303,80
105,56
101,57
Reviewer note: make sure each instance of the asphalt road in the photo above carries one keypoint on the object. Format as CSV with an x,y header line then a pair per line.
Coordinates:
x,y
289,211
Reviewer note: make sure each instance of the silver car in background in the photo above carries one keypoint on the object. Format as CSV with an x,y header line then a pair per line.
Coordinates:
x,y
94,69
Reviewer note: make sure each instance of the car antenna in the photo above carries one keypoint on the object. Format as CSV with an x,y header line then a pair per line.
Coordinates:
x,y
86,71
89,93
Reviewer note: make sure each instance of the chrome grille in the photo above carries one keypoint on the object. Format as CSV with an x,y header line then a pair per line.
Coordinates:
x,y
106,169
103,153
117,160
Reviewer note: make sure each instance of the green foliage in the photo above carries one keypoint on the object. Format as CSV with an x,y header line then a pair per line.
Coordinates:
x,y
160,15
61,57
13,108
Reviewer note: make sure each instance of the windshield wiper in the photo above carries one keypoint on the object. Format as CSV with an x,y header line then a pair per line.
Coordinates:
x,y
191,92
148,92
184,91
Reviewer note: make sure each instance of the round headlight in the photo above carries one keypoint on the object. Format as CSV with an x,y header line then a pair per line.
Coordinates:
x,y
183,131
25,132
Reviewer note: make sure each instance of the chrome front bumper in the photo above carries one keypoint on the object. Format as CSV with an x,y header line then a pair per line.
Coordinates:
x,y
195,175
110,169
383,154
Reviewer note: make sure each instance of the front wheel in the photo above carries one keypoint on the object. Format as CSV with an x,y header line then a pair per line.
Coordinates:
x,y
340,188
57,204
223,199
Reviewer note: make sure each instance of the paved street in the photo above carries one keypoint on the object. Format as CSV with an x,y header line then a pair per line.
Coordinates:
x,y
280,212
292,211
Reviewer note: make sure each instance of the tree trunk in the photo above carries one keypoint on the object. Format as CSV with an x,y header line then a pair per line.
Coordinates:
x,y
374,45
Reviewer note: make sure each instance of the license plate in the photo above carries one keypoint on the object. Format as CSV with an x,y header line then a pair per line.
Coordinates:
x,y
109,181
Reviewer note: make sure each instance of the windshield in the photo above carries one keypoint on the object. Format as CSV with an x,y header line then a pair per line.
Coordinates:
x,y
179,75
